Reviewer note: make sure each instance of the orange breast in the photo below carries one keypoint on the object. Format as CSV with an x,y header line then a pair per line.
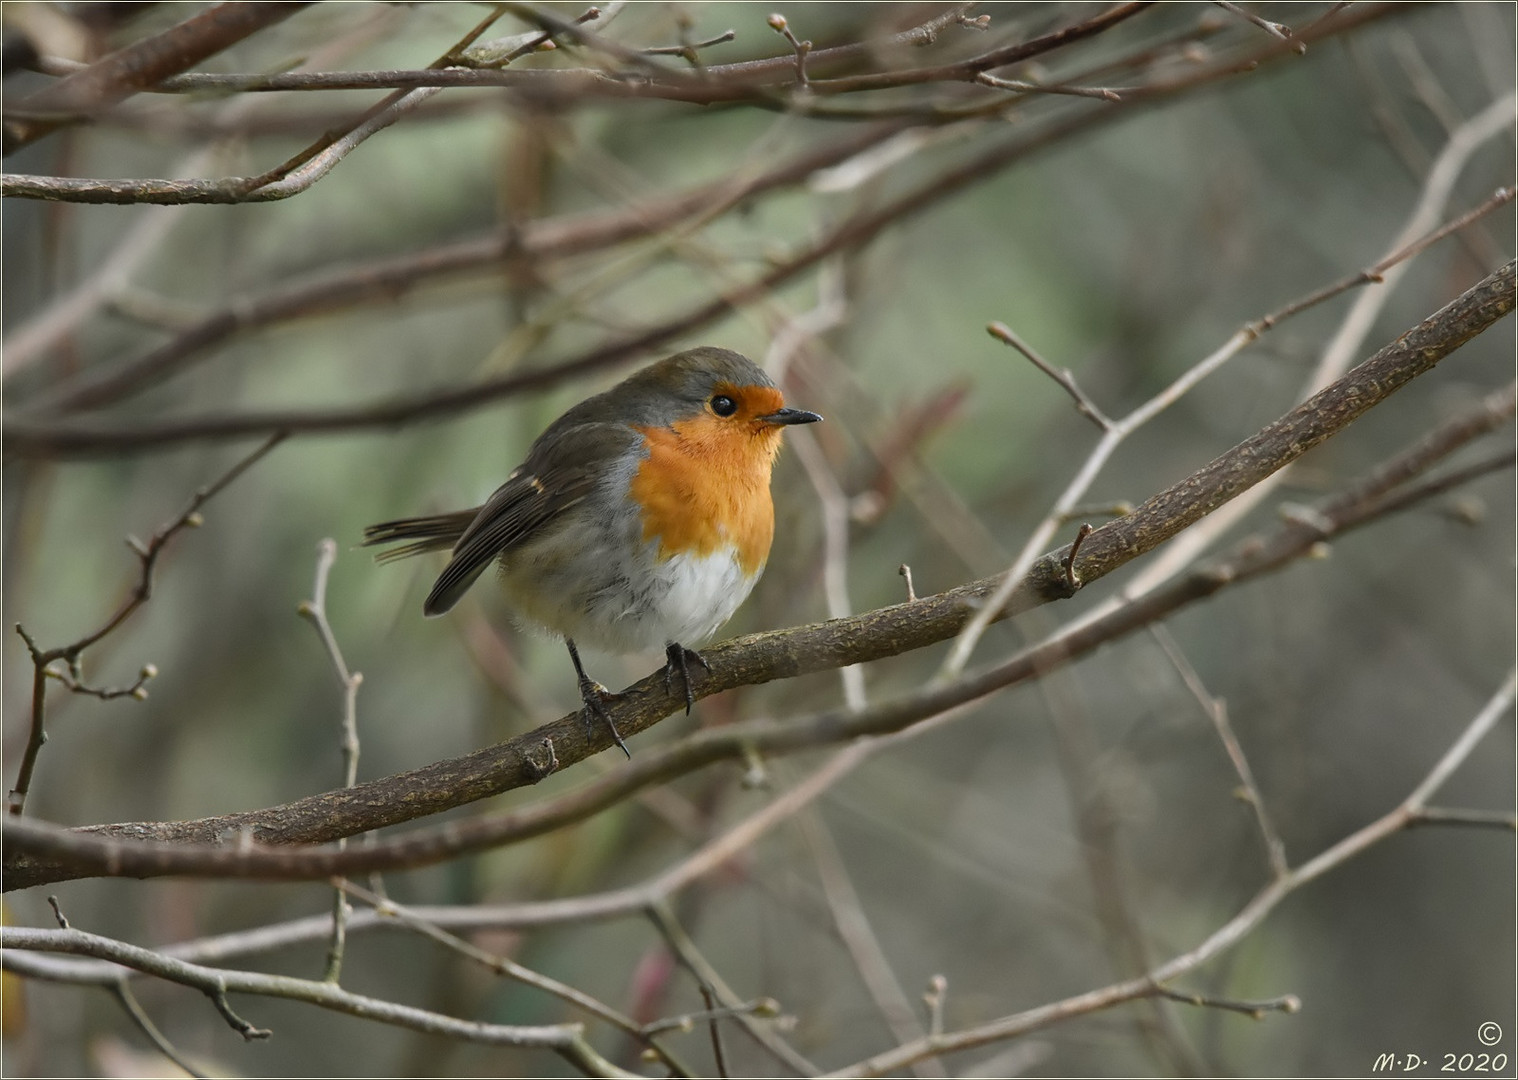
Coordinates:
x,y
705,488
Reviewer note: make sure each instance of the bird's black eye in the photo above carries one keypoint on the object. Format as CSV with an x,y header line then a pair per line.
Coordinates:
x,y
723,405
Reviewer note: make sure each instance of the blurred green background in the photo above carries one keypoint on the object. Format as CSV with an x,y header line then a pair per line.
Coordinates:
x,y
1125,253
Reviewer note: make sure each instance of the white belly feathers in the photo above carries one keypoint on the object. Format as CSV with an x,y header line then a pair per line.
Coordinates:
x,y
632,601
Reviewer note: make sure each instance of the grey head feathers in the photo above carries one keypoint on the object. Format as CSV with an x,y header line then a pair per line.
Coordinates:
x,y
662,392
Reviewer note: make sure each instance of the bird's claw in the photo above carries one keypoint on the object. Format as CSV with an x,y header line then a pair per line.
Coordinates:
x,y
596,697
678,658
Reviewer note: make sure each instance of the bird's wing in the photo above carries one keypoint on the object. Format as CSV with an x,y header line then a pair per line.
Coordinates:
x,y
561,470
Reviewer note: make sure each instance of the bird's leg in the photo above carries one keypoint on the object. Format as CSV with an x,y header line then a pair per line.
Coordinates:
x,y
595,696
677,658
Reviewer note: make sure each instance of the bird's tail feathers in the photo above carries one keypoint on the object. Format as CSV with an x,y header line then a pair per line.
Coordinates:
x,y
437,532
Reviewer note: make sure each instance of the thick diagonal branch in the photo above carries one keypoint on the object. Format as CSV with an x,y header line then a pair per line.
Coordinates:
x,y
757,659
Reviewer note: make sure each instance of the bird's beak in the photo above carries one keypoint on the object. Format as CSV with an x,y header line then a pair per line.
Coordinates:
x,y
791,416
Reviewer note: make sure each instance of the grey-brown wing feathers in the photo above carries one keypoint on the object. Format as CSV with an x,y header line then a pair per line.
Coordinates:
x,y
561,470
518,509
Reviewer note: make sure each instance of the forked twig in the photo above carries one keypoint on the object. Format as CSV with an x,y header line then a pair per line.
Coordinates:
x,y
147,556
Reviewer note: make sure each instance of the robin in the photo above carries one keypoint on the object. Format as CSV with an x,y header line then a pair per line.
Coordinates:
x,y
641,517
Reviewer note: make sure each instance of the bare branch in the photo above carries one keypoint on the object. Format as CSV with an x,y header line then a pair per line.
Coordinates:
x,y
1346,343
43,332
565,1039
384,280
35,436
137,67
315,611
703,88
43,659
387,909
1225,937
232,189
565,112
782,654
751,81
1114,432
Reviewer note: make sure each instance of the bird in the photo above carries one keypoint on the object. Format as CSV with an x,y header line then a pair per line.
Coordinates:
x,y
641,518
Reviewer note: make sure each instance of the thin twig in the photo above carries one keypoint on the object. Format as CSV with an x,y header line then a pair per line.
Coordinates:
x,y
861,941
1286,1003
1083,404
713,1014
782,26
1495,709
793,334
1376,274
1279,31
58,916
906,572
761,1007
1102,92
1096,821
224,191
217,992
315,612
147,555
934,998
689,49
636,62
123,992
500,52
711,982
1217,711
1072,579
